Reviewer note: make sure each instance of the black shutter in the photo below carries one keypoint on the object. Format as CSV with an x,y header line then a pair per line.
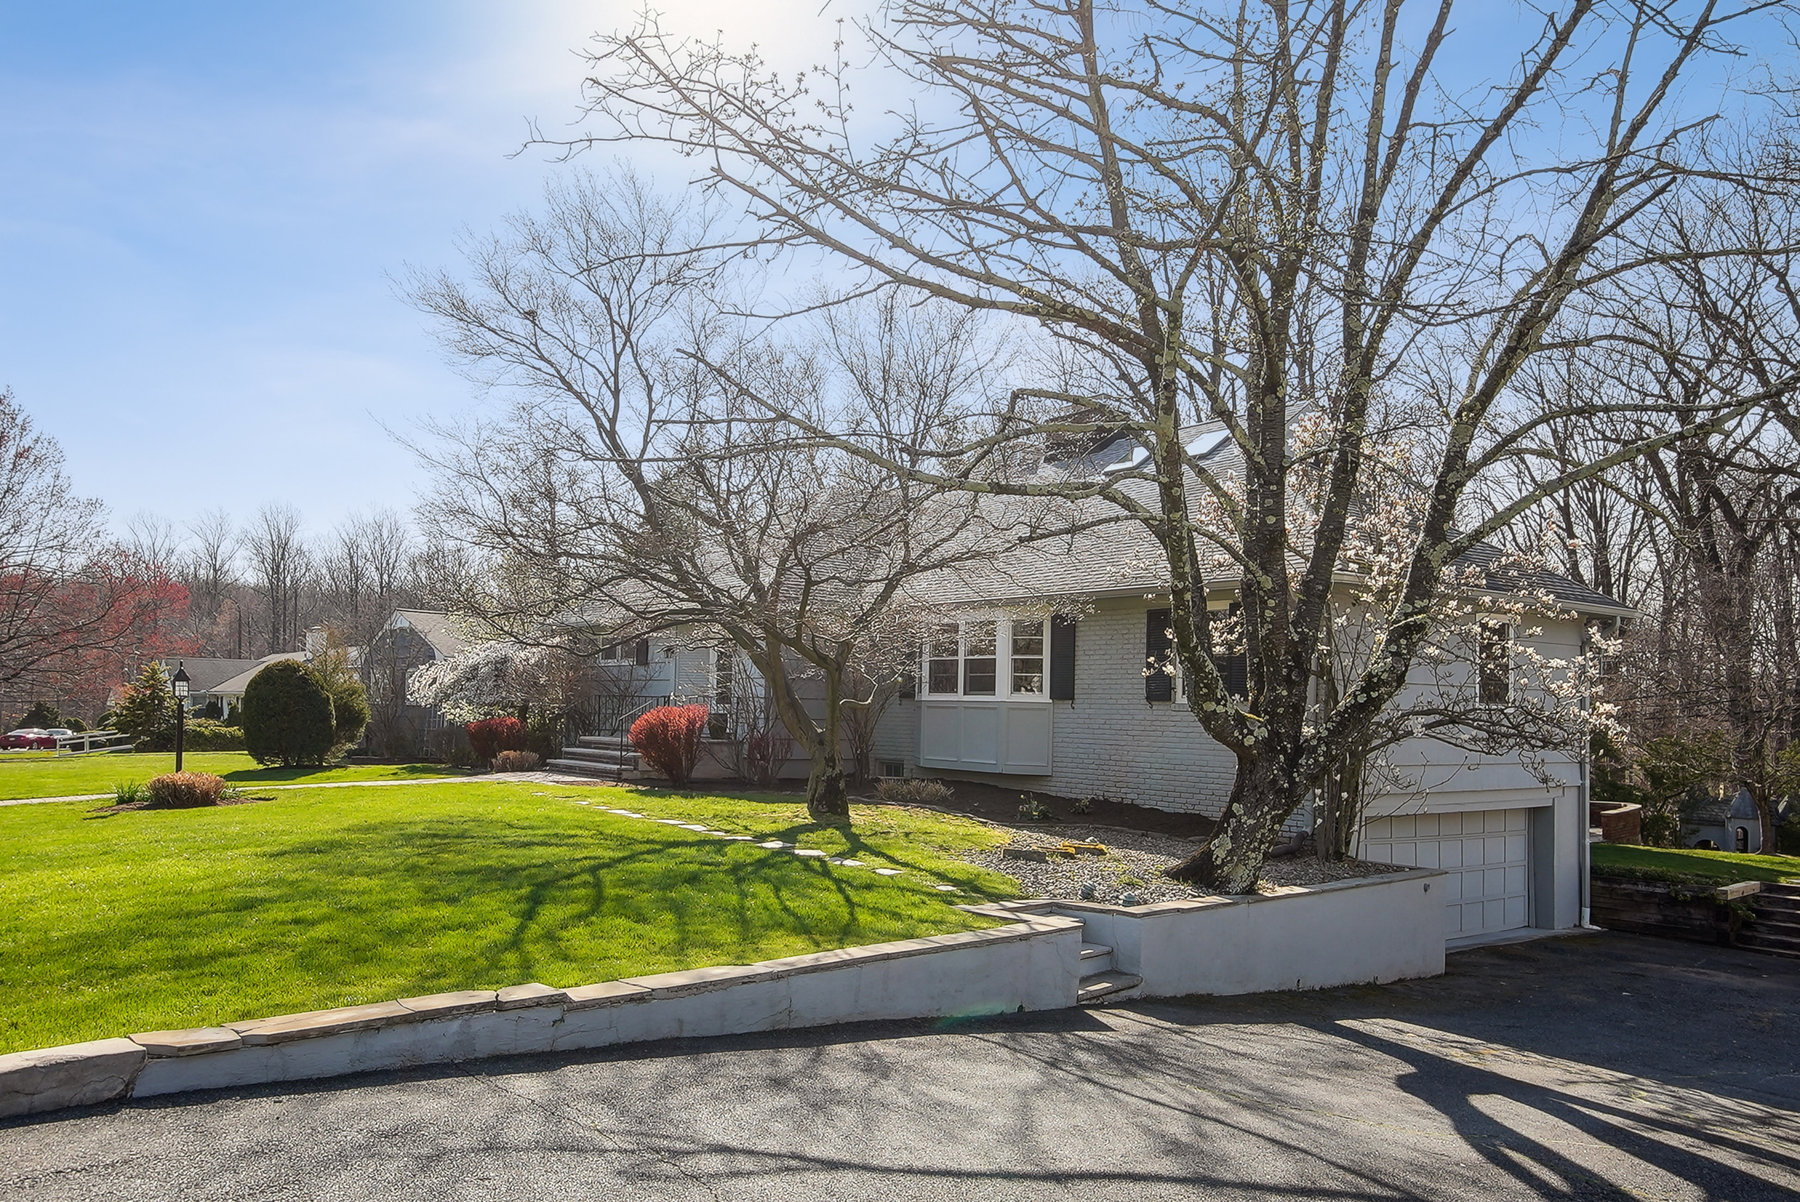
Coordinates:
x,y
1062,658
643,653
1158,685
1235,668
909,686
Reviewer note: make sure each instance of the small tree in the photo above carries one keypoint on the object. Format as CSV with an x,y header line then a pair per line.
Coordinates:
x,y
146,711
42,713
287,716
669,737
349,699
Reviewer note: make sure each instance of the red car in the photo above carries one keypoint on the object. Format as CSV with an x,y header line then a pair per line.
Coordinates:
x,y
28,737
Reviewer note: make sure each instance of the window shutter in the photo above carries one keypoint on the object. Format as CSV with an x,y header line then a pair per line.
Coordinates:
x,y
643,653
1235,668
908,687
1062,658
1158,685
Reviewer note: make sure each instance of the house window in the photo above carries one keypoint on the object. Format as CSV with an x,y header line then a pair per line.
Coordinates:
x,y
1234,666
981,658
1493,667
1028,656
943,665
986,657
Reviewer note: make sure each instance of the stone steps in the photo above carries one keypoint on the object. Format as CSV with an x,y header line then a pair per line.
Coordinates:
x,y
1101,985
1099,979
1775,929
604,756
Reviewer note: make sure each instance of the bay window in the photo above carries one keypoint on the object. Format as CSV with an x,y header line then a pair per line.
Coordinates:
x,y
986,657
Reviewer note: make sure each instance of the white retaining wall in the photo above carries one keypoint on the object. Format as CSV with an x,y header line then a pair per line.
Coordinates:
x,y
1353,932
1348,932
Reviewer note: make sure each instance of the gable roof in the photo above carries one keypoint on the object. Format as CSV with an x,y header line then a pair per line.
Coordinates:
x,y
1103,553
206,673
435,627
235,685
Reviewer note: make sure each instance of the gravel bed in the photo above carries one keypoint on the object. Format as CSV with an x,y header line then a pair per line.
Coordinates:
x,y
1131,871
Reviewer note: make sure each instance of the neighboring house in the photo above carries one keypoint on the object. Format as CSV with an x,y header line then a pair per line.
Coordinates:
x,y
1729,824
1014,692
222,680
410,639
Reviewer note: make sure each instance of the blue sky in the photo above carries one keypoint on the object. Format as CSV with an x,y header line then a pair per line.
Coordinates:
x,y
202,206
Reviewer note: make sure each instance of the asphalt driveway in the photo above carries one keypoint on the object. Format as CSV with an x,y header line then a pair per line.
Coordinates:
x,y
1595,1067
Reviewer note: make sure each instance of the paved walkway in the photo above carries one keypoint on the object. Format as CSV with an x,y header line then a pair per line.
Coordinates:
x,y
1605,1067
543,778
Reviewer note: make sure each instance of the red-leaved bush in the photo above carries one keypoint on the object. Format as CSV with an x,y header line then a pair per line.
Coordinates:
x,y
490,736
669,737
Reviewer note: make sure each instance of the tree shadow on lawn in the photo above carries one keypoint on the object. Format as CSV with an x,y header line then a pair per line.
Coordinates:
x,y
274,776
691,901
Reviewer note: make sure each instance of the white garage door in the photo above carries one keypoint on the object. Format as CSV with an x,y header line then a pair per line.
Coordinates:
x,y
1487,855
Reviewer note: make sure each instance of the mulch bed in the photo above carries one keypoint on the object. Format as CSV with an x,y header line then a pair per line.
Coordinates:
x,y
995,804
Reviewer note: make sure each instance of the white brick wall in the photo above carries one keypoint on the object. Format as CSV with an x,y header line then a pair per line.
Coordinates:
x,y
1109,742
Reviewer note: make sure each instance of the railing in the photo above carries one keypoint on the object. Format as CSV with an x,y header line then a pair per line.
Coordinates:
x,y
93,741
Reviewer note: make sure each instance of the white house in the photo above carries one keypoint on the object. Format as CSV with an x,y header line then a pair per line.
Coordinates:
x,y
1012,692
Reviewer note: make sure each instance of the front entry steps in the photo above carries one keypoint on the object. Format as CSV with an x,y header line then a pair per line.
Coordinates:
x,y
1099,980
1775,929
605,757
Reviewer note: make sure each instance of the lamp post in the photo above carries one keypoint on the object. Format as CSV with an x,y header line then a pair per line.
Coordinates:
x,y
179,683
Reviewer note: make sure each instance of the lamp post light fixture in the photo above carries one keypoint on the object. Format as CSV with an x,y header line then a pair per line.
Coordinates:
x,y
179,683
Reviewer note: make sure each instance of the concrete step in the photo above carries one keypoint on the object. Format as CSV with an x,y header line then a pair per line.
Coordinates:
x,y
1749,943
1103,984
599,755
1781,892
1096,958
1770,936
592,768
609,742
1775,904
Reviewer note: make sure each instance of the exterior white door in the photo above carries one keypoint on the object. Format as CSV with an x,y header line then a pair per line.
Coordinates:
x,y
1486,854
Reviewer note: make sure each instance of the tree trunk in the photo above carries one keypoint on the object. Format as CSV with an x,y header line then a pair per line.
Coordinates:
x,y
827,797
1262,796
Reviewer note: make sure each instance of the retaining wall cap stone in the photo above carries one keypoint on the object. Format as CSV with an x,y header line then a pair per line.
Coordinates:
x,y
448,1005
604,993
314,1023
702,980
190,1042
74,1074
517,997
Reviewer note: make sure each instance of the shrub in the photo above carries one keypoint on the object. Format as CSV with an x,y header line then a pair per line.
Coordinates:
x,y
212,711
912,791
518,761
130,792
43,714
176,790
669,737
349,699
146,711
206,735
490,736
287,716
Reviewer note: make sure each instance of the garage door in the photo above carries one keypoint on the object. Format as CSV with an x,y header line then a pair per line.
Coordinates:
x,y
1486,854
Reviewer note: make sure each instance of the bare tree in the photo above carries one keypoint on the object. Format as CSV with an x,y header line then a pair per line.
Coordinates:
x,y
1235,214
633,482
73,602
279,562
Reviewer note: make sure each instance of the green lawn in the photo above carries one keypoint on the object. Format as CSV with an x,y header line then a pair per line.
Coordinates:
x,y
1685,864
45,775
151,919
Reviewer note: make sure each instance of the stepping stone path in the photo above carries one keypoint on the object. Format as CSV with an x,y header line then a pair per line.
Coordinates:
x,y
810,853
